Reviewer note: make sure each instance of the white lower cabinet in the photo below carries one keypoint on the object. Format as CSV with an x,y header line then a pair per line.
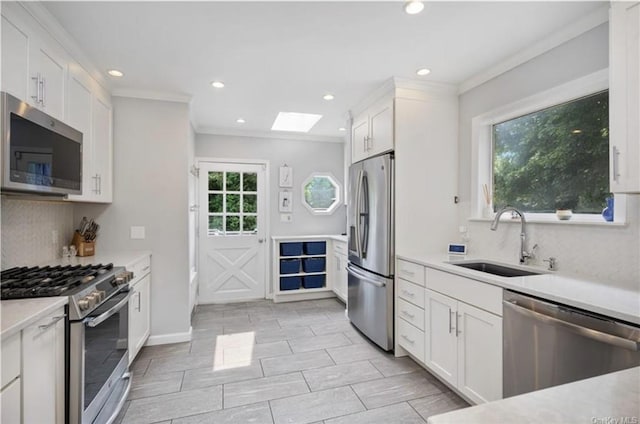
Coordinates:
x,y
43,370
464,346
340,277
11,384
10,403
139,306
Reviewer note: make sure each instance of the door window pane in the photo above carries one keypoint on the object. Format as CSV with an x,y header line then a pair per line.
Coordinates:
x,y
249,223
233,181
215,180
215,203
250,181
215,223
250,203
233,203
233,223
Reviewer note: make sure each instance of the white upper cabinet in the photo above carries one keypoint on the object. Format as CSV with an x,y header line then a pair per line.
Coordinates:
x,y
15,59
47,75
102,149
34,67
372,131
624,96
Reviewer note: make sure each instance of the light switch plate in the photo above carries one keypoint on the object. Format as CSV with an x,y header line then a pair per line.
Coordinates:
x,y
137,233
286,217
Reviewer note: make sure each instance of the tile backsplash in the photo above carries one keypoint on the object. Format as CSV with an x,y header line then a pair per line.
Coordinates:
x,y
28,228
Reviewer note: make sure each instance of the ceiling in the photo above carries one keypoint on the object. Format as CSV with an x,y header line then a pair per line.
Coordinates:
x,y
284,56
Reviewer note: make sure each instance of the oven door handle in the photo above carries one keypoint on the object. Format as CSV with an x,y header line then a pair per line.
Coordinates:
x,y
123,399
95,321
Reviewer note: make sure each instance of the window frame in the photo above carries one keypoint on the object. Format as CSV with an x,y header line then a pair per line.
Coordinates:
x,y
482,145
338,199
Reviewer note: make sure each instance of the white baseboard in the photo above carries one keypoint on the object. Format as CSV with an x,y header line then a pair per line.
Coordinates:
x,y
169,338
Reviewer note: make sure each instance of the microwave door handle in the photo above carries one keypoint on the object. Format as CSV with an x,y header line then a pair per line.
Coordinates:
x,y
95,321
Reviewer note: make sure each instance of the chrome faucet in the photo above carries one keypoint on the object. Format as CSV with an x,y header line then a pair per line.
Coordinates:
x,y
524,255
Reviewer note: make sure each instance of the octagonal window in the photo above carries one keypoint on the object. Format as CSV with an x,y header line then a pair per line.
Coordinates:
x,y
321,193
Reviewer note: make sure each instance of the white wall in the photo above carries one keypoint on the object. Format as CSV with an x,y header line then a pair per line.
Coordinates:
x,y
607,254
151,159
27,231
305,157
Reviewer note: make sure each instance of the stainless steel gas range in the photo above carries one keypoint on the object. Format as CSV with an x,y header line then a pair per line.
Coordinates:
x,y
97,358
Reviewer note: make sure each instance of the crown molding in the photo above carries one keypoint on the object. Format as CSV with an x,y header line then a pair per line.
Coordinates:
x,y
579,27
152,95
270,135
50,24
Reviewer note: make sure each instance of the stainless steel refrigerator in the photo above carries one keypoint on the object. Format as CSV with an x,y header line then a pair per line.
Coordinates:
x,y
371,248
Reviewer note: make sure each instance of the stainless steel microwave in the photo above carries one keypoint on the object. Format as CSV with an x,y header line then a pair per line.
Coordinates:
x,y
39,153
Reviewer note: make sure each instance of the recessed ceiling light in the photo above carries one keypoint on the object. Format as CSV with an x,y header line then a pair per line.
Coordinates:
x,y
240,121
294,121
115,73
217,84
342,129
413,7
423,71
328,97
576,131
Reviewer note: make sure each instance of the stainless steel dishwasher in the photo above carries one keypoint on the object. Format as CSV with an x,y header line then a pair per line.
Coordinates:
x,y
546,344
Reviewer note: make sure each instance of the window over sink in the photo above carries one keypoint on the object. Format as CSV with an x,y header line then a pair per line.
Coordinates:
x,y
547,152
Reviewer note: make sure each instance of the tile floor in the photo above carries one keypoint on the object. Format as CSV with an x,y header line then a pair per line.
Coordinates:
x,y
298,362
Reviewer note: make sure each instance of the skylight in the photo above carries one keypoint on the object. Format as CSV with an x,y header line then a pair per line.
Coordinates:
x,y
294,121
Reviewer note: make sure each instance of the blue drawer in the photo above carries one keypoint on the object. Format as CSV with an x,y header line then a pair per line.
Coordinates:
x,y
315,248
290,283
313,265
313,281
289,266
291,249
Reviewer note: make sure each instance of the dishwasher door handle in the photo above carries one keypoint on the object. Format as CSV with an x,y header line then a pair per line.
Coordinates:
x,y
576,329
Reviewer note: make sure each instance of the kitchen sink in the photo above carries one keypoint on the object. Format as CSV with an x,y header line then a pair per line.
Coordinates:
x,y
495,269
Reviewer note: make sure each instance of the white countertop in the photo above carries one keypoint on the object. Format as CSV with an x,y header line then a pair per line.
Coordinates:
x,y
337,237
580,293
597,400
18,314
120,258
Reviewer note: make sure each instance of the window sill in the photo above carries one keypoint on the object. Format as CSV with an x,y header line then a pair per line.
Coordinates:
x,y
588,222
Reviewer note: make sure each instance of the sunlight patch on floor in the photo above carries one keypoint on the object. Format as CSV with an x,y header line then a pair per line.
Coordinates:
x,y
233,351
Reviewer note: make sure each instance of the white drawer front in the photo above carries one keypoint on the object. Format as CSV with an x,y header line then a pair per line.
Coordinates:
x,y
475,293
140,269
411,272
411,338
411,313
10,359
340,247
411,292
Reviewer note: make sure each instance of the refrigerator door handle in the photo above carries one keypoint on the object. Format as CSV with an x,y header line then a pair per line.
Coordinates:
x,y
357,223
362,277
364,215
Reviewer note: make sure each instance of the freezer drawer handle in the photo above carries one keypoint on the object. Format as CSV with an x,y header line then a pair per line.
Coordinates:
x,y
408,339
407,314
576,329
363,277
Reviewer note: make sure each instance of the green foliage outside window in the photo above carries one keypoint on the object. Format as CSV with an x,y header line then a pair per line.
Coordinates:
x,y
320,193
556,158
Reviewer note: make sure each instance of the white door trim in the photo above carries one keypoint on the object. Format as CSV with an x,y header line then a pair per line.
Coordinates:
x,y
267,230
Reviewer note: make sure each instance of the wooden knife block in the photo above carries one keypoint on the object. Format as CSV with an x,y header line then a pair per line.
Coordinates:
x,y
83,248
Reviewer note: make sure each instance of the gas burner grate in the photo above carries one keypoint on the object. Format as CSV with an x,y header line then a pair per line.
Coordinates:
x,y
26,282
